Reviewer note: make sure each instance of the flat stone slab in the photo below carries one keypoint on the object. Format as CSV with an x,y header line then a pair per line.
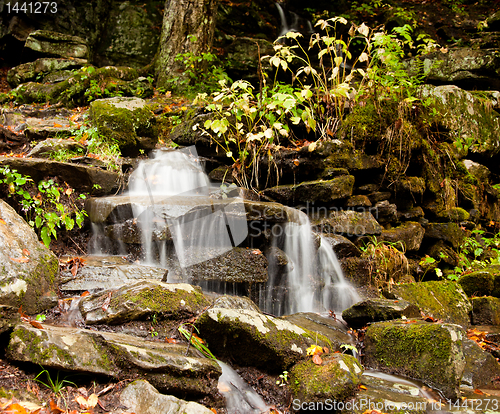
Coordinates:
x,y
165,366
107,272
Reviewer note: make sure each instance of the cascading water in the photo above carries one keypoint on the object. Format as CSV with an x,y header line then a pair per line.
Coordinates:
x,y
183,222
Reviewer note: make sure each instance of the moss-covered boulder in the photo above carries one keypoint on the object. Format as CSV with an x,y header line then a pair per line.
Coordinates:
x,y
485,310
28,270
478,283
52,44
255,339
449,232
50,146
469,118
142,300
481,368
337,379
171,368
376,310
37,69
126,121
431,352
439,299
410,234
347,223
323,191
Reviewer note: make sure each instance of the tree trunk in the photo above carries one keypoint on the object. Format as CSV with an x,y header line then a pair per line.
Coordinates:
x,y
188,27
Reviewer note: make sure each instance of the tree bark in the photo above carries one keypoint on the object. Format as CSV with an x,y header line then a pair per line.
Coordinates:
x,y
188,27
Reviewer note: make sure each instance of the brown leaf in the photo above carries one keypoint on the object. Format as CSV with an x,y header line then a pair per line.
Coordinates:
x,y
26,252
317,359
171,340
15,409
296,162
54,409
36,324
22,259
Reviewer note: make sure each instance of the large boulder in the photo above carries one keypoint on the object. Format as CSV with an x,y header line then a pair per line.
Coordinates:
x,y
482,370
336,379
172,368
485,310
28,270
142,300
431,352
52,44
348,223
126,121
410,234
255,339
440,300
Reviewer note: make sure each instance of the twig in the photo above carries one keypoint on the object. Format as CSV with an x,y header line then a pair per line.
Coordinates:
x,y
76,244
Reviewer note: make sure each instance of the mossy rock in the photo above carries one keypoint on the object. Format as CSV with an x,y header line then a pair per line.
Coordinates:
x,y
455,214
126,121
337,378
348,223
56,44
485,310
143,300
411,185
443,300
409,233
376,310
255,339
478,283
449,232
323,191
431,352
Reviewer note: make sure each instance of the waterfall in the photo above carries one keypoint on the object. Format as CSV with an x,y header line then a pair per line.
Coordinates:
x,y
183,221
296,23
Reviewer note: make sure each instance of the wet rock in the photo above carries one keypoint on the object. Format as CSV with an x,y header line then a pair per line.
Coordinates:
x,y
126,121
107,272
485,310
385,212
142,300
390,394
30,71
478,283
414,186
449,232
53,44
9,317
79,177
377,196
333,329
479,171
466,116
410,234
342,246
347,223
255,339
166,366
357,270
336,379
430,352
481,368
235,302
439,299
375,310
442,251
141,397
28,270
46,148
411,214
312,191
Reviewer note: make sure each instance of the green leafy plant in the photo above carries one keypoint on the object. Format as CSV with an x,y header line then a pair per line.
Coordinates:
x,y
283,379
40,317
64,155
56,385
195,340
44,211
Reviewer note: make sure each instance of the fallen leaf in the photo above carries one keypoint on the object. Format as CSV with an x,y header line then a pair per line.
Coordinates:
x,y
86,293
478,391
69,191
171,340
2,221
314,350
36,324
106,302
54,408
213,410
57,125
362,387
26,252
317,359
296,162
85,403
15,409
22,259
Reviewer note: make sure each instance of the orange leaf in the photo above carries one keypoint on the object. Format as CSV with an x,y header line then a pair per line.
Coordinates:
x,y
317,359
26,252
57,125
362,387
54,408
296,162
171,340
36,324
213,410
22,259
2,221
86,293
326,350
478,391
15,409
